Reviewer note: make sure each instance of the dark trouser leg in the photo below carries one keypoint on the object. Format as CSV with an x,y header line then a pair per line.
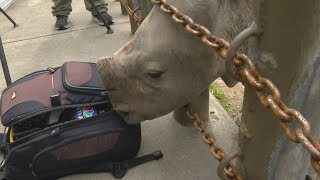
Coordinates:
x,y
61,7
100,4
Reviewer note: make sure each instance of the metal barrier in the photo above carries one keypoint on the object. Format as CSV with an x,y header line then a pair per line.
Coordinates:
x,y
137,11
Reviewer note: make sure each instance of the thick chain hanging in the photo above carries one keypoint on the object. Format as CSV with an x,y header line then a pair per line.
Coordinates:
x,y
247,70
132,13
217,152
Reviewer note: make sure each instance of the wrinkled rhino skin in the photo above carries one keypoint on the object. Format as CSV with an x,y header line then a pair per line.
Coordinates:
x,y
162,68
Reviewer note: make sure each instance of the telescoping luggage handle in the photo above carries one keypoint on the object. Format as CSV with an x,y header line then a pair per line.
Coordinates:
x,y
2,54
119,169
4,64
10,19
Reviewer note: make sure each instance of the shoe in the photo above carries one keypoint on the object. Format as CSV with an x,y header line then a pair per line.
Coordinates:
x,y
62,22
105,16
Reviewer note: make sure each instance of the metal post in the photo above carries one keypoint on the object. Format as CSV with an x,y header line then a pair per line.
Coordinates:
x,y
288,53
4,13
123,9
145,7
4,64
133,4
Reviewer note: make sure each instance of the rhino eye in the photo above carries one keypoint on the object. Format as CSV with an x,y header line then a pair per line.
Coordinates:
x,y
155,74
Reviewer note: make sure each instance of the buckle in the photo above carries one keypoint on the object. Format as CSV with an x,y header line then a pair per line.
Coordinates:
x,y
157,155
118,170
51,70
55,100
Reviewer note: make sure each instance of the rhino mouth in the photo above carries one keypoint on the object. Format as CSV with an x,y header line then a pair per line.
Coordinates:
x,y
125,112
124,115
131,117
122,109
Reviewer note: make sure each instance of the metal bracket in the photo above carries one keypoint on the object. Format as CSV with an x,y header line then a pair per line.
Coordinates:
x,y
252,30
135,10
224,163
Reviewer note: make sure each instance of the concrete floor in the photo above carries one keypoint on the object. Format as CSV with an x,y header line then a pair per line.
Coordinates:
x,y
36,45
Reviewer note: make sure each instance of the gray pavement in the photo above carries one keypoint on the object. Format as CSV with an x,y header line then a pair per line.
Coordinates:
x,y
36,45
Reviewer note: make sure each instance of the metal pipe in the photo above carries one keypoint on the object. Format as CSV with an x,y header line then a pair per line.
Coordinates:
x,y
10,19
225,162
4,64
288,54
110,31
251,31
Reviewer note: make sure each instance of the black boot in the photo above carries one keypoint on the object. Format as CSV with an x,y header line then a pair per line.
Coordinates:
x,y
62,22
105,16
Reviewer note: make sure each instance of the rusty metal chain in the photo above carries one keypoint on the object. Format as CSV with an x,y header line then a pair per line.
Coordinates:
x,y
132,13
230,170
266,91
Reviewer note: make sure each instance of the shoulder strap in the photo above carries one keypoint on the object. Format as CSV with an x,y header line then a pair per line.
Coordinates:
x,y
119,169
3,143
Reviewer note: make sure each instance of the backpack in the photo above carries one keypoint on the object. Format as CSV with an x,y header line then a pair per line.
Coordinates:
x,y
60,121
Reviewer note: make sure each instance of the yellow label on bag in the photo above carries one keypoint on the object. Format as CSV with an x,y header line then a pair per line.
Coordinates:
x,y
13,95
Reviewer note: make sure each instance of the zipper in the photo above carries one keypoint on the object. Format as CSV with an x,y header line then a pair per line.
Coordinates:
x,y
50,128
24,116
45,133
71,139
78,89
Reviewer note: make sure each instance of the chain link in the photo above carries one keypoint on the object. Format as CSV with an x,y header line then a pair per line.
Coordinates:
x,y
267,92
132,13
217,152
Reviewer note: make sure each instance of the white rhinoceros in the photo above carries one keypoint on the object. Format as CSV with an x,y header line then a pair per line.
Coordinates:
x,y
164,67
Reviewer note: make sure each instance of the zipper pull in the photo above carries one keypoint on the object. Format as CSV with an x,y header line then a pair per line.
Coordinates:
x,y
104,93
55,132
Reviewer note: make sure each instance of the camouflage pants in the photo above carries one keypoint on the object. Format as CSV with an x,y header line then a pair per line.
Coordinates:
x,y
63,7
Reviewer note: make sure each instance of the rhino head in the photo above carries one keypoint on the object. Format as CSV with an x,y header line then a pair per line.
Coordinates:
x,y
163,67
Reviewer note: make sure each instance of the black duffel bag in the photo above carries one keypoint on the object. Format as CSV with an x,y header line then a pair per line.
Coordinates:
x,y
60,122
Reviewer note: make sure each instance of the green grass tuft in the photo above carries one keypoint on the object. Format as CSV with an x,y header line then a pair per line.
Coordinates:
x,y
221,97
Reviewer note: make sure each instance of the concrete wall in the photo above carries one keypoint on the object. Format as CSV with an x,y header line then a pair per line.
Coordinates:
x,y
288,53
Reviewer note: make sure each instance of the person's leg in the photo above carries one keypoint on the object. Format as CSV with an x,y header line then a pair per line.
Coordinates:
x,y
61,9
102,8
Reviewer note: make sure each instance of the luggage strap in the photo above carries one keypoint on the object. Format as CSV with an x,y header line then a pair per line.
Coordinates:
x,y
3,144
119,169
